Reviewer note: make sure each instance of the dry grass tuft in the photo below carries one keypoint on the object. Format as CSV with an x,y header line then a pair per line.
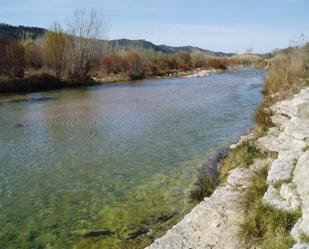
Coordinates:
x,y
243,155
287,74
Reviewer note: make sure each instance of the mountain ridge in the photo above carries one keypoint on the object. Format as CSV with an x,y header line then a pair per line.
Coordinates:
x,y
10,32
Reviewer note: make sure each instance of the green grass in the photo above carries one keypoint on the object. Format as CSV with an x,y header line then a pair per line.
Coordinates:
x,y
243,155
265,226
204,186
306,148
304,237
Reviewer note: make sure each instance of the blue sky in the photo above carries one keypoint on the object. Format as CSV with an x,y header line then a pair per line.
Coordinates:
x,y
227,25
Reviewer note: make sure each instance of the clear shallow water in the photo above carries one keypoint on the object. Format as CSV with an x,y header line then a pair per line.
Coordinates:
x,y
116,159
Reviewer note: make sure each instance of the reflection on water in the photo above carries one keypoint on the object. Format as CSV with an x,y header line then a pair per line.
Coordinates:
x,y
110,166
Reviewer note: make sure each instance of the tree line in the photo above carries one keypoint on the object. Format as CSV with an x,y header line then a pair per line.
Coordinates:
x,y
137,64
66,55
72,56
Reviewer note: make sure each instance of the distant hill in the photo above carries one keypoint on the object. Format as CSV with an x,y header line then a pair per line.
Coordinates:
x,y
126,44
10,32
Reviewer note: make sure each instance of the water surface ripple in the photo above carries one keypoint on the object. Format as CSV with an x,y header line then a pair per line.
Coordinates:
x,y
110,166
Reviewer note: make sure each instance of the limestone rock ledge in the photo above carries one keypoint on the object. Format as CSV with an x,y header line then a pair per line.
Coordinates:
x,y
288,177
215,222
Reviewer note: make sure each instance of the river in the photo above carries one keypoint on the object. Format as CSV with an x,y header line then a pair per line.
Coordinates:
x,y
111,166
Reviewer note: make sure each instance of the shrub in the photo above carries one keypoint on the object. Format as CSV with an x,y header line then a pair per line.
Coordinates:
x,y
183,60
15,59
113,63
156,63
286,70
135,66
3,56
217,63
33,54
207,179
32,83
263,117
198,60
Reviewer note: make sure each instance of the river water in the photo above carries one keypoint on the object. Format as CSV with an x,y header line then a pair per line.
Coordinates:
x,y
111,166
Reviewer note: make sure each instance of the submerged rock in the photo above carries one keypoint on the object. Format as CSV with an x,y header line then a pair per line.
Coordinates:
x,y
96,233
138,232
31,98
165,217
214,222
19,125
41,98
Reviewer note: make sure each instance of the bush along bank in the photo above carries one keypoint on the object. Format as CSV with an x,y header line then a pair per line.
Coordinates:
x,y
39,82
262,198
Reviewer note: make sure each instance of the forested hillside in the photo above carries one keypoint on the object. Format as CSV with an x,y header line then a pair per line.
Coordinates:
x,y
10,32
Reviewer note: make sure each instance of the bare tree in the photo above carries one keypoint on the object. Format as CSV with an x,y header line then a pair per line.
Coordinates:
x,y
85,27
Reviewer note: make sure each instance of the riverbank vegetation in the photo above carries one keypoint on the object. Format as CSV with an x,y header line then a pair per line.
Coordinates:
x,y
265,226
77,57
58,59
288,73
140,64
73,60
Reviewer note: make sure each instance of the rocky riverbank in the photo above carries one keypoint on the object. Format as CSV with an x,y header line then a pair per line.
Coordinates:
x,y
217,221
195,73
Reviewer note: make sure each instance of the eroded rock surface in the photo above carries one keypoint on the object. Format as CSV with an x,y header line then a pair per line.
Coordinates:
x,y
288,177
215,222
